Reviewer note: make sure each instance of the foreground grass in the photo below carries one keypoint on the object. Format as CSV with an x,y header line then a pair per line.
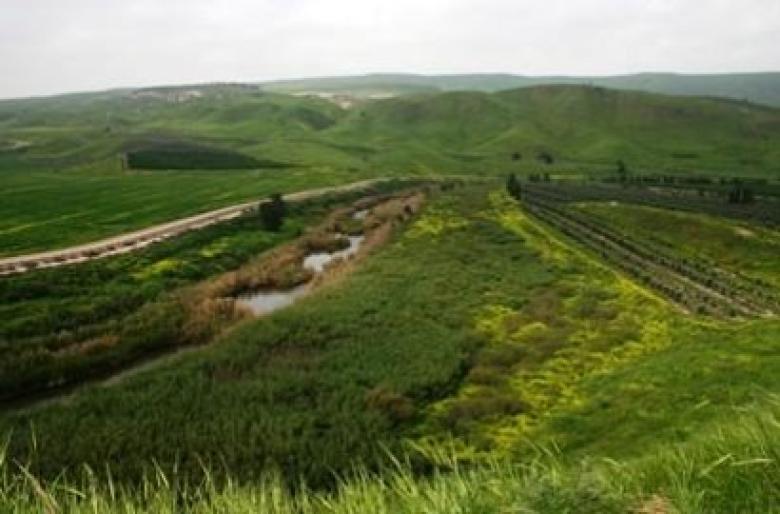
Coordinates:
x,y
735,468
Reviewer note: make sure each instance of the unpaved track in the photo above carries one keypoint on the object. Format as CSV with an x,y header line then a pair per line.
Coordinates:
x,y
141,238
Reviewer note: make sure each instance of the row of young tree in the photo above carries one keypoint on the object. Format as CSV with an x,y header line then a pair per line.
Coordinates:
x,y
734,190
698,284
543,156
743,203
682,180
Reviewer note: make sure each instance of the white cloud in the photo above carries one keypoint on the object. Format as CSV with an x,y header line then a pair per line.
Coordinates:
x,y
53,45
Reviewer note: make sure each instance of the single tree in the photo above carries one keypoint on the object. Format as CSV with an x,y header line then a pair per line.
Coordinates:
x,y
272,212
513,186
741,194
545,157
622,172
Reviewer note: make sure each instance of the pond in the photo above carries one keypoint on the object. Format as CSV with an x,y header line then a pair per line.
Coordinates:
x,y
317,262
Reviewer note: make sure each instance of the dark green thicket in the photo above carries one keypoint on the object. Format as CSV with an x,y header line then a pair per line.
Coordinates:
x,y
513,186
184,156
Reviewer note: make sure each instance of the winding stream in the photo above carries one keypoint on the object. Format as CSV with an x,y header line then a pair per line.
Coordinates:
x,y
270,300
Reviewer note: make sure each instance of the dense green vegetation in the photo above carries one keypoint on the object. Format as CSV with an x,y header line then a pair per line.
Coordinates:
x,y
479,328
188,156
65,323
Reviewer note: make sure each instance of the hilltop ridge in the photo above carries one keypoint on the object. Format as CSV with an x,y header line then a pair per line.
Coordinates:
x,y
763,88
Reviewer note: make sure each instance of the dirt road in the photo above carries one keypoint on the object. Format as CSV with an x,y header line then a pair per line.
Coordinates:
x,y
142,238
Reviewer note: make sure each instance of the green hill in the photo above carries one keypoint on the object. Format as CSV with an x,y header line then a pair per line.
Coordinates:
x,y
441,132
582,126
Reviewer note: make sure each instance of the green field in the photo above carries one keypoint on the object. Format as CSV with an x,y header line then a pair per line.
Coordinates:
x,y
753,250
47,210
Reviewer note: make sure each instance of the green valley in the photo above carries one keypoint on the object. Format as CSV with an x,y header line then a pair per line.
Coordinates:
x,y
564,299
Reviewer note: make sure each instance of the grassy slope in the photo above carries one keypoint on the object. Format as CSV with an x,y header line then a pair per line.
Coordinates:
x,y
616,354
585,127
733,469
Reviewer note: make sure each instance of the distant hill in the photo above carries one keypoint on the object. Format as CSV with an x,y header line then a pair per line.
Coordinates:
x,y
763,88
582,128
575,124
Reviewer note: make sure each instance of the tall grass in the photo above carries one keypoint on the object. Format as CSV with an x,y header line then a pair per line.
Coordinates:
x,y
734,468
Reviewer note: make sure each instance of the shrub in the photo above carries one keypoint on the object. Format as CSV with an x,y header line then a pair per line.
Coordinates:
x,y
484,405
485,375
272,213
396,406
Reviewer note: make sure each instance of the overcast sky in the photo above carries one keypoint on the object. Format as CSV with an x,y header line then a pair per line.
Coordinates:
x,y
49,46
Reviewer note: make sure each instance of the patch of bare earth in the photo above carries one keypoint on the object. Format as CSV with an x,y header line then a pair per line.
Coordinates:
x,y
87,347
656,504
